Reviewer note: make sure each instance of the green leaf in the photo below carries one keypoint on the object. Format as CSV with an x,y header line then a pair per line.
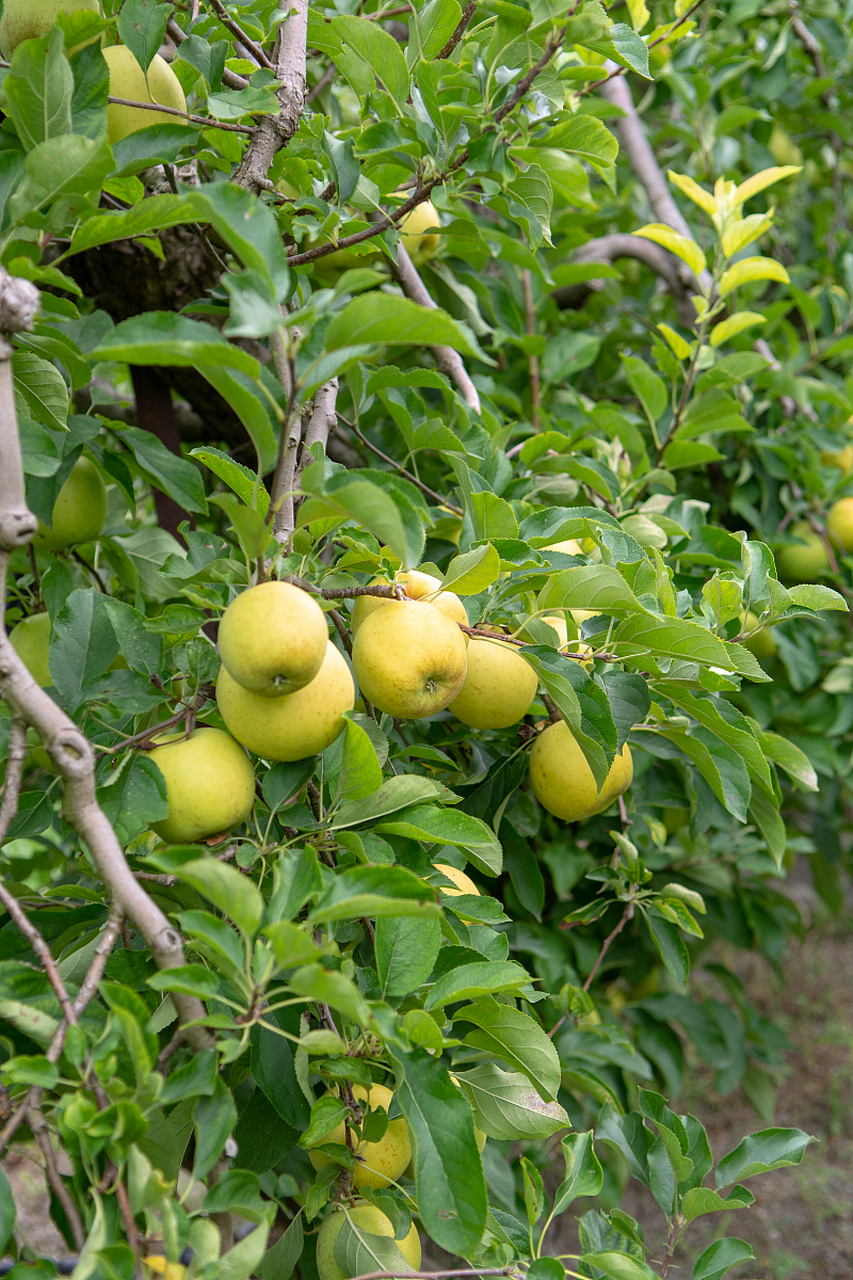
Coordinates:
x,y
450,1188
361,771
809,595
701,1200
449,826
471,573
164,338
248,227
380,55
358,1252
41,387
598,587
39,89
280,1261
406,950
467,981
685,249
7,1212
60,168
509,1107
230,890
375,891
587,137
243,395
329,987
584,1176
384,319
351,497
618,1266
670,947
176,476
734,325
646,385
396,793
153,214
83,644
506,1033
245,1257
720,1257
142,26
760,1152
240,479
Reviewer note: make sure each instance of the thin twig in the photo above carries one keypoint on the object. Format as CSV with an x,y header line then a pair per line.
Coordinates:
x,y
237,31
467,15
408,475
206,121
38,1124
449,362
229,78
627,914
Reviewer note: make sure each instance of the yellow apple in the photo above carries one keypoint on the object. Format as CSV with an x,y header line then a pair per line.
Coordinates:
x,y
379,1163
128,80
464,884
840,458
839,523
370,1221
29,19
558,624
415,236
272,638
419,586
562,780
802,563
499,686
31,640
169,1270
760,643
210,784
79,511
409,659
294,725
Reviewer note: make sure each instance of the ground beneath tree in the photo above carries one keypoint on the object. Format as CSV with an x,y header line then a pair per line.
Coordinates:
x,y
801,1226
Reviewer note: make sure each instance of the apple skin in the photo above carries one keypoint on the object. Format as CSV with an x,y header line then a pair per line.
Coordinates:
x,y
79,511
802,563
210,784
169,1270
418,586
840,458
409,659
463,882
839,523
420,243
570,547
295,725
384,1160
127,80
562,780
499,687
29,19
762,643
30,639
272,639
371,1221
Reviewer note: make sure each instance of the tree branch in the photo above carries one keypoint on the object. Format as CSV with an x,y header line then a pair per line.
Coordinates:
x,y
274,132
238,33
607,249
467,15
229,78
448,361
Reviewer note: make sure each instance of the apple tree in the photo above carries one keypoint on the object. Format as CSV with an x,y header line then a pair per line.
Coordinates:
x,y
343,326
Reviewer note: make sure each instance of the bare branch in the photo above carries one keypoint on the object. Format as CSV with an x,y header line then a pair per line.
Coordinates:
x,y
409,475
229,78
237,31
274,132
448,361
207,121
14,771
467,15
38,1124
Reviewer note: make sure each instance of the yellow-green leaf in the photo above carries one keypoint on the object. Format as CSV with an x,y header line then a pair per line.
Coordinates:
x,y
693,191
765,178
675,342
735,324
639,13
684,248
749,269
738,235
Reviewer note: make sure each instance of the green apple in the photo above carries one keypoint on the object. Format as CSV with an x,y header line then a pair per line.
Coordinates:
x,y
499,686
128,80
379,1163
31,640
416,237
29,19
840,458
419,586
294,725
210,784
563,782
409,659
79,511
759,642
839,523
272,638
371,1222
805,560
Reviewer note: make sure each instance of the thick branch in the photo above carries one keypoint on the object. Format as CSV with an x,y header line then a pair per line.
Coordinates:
x,y
274,132
448,361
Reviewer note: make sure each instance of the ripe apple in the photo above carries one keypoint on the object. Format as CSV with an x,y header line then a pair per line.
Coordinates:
x,y
272,639
419,586
294,725
499,686
559,625
419,242
463,882
29,19
79,511
802,563
128,80
379,1162
562,780
169,1270
31,640
761,643
569,547
210,784
370,1220
840,458
839,523
409,659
